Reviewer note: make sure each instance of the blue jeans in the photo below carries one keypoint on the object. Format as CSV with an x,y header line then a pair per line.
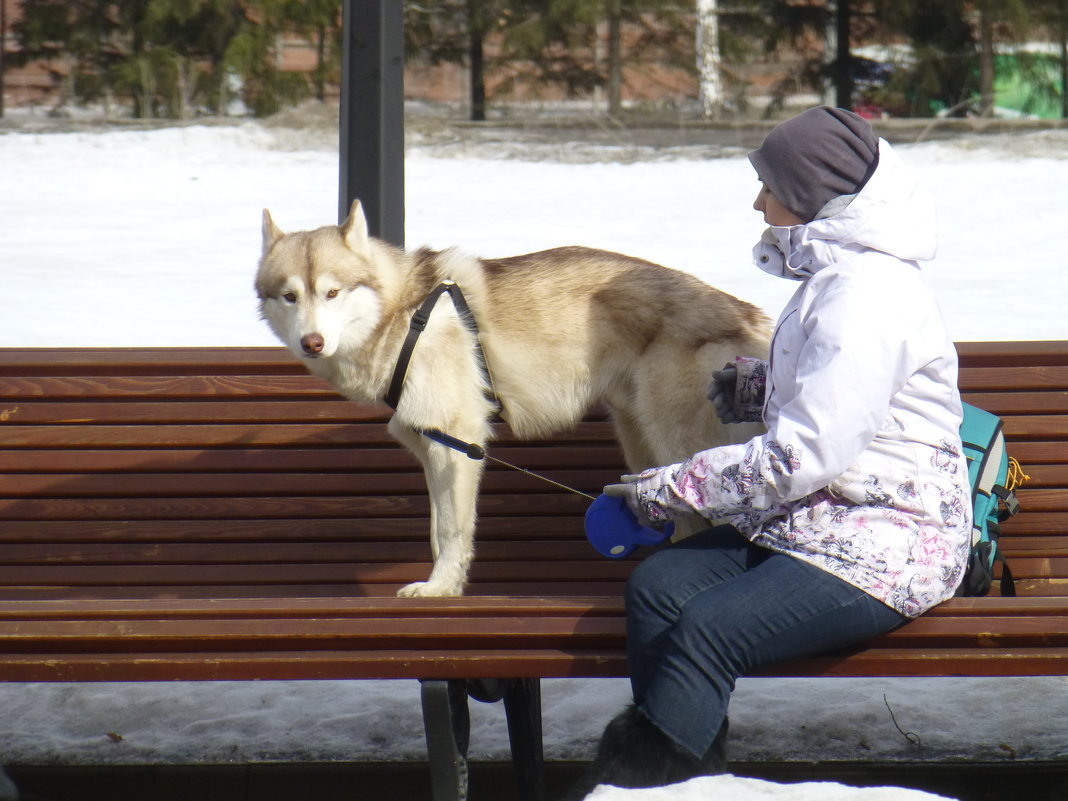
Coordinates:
x,y
715,607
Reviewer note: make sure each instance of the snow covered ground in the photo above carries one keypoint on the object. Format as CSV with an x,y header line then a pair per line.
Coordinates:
x,y
151,238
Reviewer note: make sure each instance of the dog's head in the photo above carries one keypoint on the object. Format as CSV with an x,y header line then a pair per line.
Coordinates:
x,y
319,290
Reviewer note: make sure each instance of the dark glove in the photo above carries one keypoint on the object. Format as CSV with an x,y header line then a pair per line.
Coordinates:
x,y
721,392
627,489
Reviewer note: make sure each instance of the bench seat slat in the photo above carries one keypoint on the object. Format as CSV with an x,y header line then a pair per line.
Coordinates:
x,y
1019,403
1019,377
1028,533
350,607
277,360
470,605
1035,426
285,633
272,573
341,529
591,587
1038,452
122,554
934,662
208,484
273,507
148,361
19,560
1043,500
1052,524
333,409
389,457
124,388
233,435
459,633
1014,353
219,666
299,634
497,663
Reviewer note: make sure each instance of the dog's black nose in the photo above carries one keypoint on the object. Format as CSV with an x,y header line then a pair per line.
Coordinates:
x,y
312,343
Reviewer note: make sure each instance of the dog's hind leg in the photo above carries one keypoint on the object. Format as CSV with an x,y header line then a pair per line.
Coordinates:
x,y
452,481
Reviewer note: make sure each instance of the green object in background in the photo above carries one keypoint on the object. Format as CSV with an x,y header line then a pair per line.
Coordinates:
x,y
1028,83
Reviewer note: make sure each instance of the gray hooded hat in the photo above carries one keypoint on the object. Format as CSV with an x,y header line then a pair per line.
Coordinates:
x,y
818,155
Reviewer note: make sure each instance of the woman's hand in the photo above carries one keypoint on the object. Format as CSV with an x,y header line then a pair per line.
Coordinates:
x,y
722,391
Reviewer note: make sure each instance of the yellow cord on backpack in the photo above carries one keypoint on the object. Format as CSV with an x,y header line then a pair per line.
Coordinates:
x,y
1016,476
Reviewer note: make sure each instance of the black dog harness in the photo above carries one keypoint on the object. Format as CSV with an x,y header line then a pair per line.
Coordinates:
x,y
396,385
417,326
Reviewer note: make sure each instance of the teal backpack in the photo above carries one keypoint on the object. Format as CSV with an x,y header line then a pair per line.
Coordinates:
x,y
993,477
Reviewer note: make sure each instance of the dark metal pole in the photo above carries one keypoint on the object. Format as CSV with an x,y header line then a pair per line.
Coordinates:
x,y
372,115
3,45
843,79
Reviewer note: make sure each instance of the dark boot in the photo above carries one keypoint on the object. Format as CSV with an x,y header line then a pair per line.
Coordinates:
x,y
633,752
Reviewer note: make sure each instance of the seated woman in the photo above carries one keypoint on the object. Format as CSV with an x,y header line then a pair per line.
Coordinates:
x,y
851,515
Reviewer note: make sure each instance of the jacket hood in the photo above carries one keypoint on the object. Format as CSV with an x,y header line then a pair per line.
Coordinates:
x,y
892,214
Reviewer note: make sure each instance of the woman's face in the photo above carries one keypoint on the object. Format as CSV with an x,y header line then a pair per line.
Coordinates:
x,y
775,213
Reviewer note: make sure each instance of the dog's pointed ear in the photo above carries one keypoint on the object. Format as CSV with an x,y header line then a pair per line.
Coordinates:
x,y
354,229
271,232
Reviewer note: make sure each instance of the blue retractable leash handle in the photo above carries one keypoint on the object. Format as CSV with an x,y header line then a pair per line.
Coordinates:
x,y
614,531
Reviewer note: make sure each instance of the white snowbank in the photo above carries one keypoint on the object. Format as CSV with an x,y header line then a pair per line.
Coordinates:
x,y
736,787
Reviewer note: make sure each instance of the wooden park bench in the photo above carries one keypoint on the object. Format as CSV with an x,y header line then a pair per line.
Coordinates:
x,y
219,514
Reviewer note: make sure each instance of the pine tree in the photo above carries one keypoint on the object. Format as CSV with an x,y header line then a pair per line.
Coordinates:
x,y
79,43
252,54
941,72
165,57
453,32
320,22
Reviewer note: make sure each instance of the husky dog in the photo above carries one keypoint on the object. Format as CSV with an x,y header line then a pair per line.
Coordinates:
x,y
546,336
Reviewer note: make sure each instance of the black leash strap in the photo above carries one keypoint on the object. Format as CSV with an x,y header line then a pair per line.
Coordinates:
x,y
418,325
472,450
415,328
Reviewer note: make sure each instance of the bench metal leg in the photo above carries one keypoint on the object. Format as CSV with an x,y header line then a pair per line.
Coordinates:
x,y
522,705
447,721
8,790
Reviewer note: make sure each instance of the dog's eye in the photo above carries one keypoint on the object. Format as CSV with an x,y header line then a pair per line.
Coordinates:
x,y
332,293
290,297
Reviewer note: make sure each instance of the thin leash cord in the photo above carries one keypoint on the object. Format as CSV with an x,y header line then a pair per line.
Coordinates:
x,y
543,478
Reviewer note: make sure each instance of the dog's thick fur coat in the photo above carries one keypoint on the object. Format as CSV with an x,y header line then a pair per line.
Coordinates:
x,y
562,330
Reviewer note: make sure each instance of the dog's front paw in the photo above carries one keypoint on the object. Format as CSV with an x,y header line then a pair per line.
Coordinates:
x,y
430,589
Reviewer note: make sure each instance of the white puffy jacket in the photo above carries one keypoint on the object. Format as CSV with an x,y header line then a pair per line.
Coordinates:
x,y
860,471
